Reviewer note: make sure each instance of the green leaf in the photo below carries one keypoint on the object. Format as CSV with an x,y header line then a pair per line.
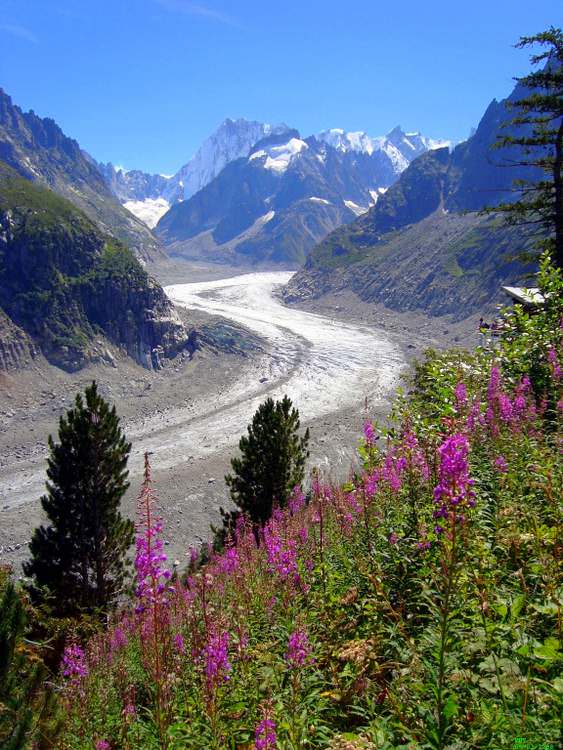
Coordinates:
x,y
549,650
451,707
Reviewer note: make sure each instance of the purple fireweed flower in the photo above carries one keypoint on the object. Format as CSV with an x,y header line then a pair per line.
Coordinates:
x,y
500,464
504,407
179,644
353,503
216,656
475,417
370,488
556,369
74,663
129,710
392,471
415,458
282,555
494,383
298,649
118,640
393,538
460,393
296,500
455,486
152,576
228,562
265,732
102,745
369,434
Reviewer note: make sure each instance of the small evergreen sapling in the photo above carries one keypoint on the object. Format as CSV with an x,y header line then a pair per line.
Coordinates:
x,y
28,709
272,462
78,561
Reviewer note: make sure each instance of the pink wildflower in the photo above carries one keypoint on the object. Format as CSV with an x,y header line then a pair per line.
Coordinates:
x,y
369,434
179,643
556,369
296,501
501,465
265,732
217,665
298,649
152,577
460,394
228,562
102,745
118,640
392,470
455,487
74,663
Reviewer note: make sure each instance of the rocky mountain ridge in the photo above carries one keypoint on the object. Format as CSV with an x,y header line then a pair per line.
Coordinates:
x,y
150,196
281,199
425,245
65,287
38,150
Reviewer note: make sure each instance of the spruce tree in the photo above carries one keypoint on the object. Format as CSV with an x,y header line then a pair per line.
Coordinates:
x,y
79,560
272,461
537,131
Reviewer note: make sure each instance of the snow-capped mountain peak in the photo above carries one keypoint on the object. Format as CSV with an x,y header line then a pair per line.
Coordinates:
x,y
354,141
232,140
279,157
400,147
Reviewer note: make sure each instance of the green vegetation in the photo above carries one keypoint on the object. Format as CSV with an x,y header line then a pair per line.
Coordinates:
x,y
28,711
272,461
78,561
416,606
61,280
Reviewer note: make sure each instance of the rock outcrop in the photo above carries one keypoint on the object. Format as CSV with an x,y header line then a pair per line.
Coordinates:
x,y
63,284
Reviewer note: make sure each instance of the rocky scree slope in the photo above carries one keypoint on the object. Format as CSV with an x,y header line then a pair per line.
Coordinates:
x,y
424,245
39,150
282,198
64,285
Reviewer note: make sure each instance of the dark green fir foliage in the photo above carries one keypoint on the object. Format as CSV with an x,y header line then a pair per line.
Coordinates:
x,y
78,561
28,711
537,130
272,462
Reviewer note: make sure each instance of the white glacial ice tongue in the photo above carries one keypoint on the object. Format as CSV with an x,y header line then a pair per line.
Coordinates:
x,y
148,211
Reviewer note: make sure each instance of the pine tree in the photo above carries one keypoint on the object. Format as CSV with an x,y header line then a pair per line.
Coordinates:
x,y
28,708
78,561
272,462
538,132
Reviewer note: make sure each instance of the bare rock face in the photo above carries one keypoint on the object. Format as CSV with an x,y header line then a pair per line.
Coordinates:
x,y
17,350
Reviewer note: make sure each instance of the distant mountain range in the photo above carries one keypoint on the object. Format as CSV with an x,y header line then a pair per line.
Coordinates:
x,y
270,199
425,245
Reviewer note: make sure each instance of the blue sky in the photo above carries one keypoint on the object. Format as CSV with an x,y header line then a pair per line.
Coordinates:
x,y
143,82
